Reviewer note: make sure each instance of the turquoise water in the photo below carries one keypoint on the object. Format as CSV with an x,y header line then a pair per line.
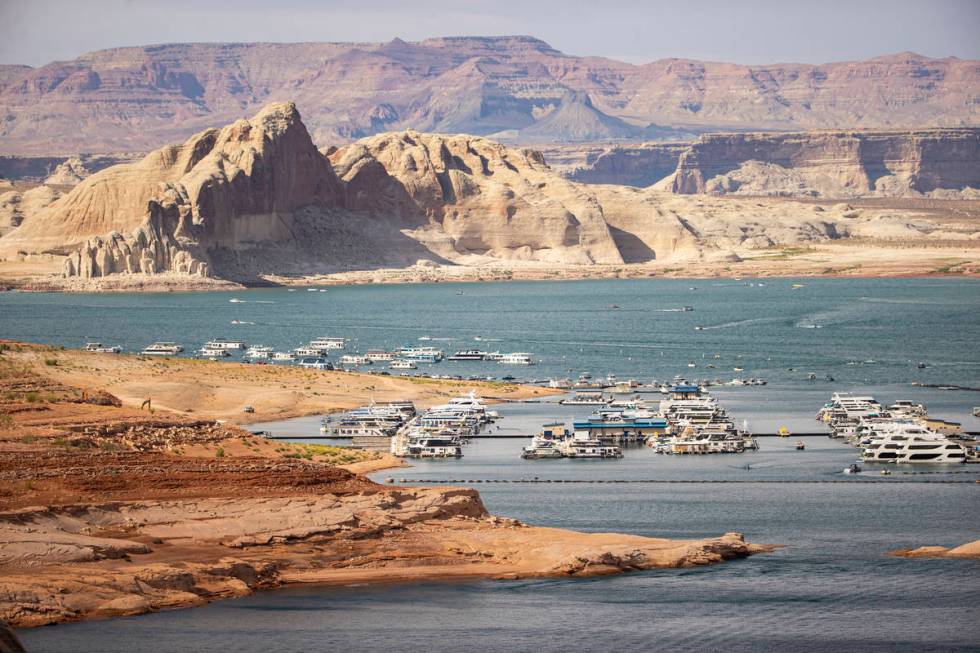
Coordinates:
x,y
871,335
831,587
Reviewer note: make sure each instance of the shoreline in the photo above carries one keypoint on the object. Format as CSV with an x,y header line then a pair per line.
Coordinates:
x,y
107,510
846,260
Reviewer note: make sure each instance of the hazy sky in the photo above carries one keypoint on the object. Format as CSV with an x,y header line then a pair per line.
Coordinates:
x,y
749,31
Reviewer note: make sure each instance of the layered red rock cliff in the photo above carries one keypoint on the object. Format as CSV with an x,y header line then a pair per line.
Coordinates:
x,y
134,98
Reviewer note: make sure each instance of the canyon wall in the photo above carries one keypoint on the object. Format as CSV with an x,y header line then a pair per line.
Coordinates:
x,y
131,99
832,163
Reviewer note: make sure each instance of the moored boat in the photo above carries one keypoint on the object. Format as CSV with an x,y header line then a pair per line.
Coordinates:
x,y
162,349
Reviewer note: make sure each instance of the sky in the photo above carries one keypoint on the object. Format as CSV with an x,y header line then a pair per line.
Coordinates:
x,y
35,32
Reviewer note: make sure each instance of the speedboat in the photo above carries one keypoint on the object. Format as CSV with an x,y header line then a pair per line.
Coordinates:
x,y
853,468
800,445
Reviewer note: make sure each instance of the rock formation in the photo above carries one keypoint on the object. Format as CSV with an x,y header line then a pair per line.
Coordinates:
x,y
465,195
630,165
68,173
16,205
831,163
256,202
222,190
132,99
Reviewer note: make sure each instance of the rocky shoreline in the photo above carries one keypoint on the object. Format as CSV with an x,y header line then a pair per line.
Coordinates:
x,y
107,510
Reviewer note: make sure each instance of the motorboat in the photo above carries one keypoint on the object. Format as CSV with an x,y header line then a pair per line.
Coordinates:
x,y
213,353
585,398
516,358
912,444
102,349
800,445
315,363
354,359
544,444
221,343
258,351
853,468
324,343
467,355
162,349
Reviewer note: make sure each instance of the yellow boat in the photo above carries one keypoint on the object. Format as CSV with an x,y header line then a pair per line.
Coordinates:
x,y
783,432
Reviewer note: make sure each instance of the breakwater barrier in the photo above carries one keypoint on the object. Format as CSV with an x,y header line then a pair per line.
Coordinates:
x,y
852,479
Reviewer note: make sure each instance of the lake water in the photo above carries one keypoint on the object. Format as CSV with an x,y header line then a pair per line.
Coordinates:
x,y
831,587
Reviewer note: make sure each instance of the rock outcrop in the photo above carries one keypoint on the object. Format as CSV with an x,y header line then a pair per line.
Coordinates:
x,y
68,173
223,190
464,195
132,99
840,164
16,205
636,165
256,202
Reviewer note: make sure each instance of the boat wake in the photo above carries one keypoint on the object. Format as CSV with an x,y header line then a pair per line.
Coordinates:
x,y
738,323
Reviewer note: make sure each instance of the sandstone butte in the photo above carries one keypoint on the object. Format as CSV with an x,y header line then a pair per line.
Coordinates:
x,y
107,510
256,202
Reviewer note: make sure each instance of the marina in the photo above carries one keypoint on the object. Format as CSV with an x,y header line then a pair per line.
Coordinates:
x,y
836,527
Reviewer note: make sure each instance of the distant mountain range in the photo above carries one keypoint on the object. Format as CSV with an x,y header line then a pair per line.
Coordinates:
x,y
517,89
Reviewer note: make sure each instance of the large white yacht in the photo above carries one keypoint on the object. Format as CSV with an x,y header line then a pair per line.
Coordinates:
x,y
323,343
907,443
582,445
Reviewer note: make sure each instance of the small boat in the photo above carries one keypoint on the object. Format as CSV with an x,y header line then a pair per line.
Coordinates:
x,y
853,468
976,411
921,365
467,355
315,363
738,369
402,365
221,343
328,343
800,445
162,349
886,472
699,328
213,352
783,432
102,349
258,351
354,359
